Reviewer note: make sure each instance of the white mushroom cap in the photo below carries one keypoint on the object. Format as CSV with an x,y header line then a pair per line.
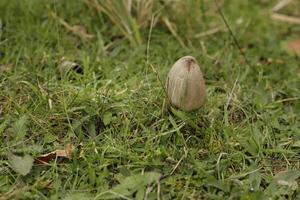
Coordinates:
x,y
185,84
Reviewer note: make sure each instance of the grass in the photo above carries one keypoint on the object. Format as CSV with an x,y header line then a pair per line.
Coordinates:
x,y
243,144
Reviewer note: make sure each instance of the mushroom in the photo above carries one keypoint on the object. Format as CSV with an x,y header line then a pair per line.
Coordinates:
x,y
185,84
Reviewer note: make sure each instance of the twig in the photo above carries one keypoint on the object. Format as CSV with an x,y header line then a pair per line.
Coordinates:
x,y
208,32
177,164
158,189
288,99
180,160
285,18
281,4
243,175
231,93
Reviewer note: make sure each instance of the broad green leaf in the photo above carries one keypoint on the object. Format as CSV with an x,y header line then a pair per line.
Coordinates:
x,y
107,118
77,196
49,138
4,125
130,185
221,185
21,164
184,117
19,128
255,180
283,183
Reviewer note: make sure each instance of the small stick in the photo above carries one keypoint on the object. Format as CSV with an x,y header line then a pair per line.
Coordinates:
x,y
208,32
177,164
180,160
281,4
285,18
158,189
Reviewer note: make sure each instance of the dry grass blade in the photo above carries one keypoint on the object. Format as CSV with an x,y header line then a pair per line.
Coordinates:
x,y
208,32
180,160
172,29
19,188
77,29
128,4
285,18
119,12
160,81
144,10
281,4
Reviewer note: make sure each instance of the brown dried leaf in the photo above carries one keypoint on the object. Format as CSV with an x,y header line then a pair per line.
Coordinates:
x,y
62,153
293,47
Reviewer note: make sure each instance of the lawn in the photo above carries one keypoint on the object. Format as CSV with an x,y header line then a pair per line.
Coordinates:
x,y
82,89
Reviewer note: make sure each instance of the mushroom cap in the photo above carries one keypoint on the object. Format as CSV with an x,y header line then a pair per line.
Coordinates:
x,y
185,84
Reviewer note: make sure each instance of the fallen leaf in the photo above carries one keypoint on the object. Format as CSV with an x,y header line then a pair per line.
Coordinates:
x,y
60,153
20,164
45,159
293,47
67,152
